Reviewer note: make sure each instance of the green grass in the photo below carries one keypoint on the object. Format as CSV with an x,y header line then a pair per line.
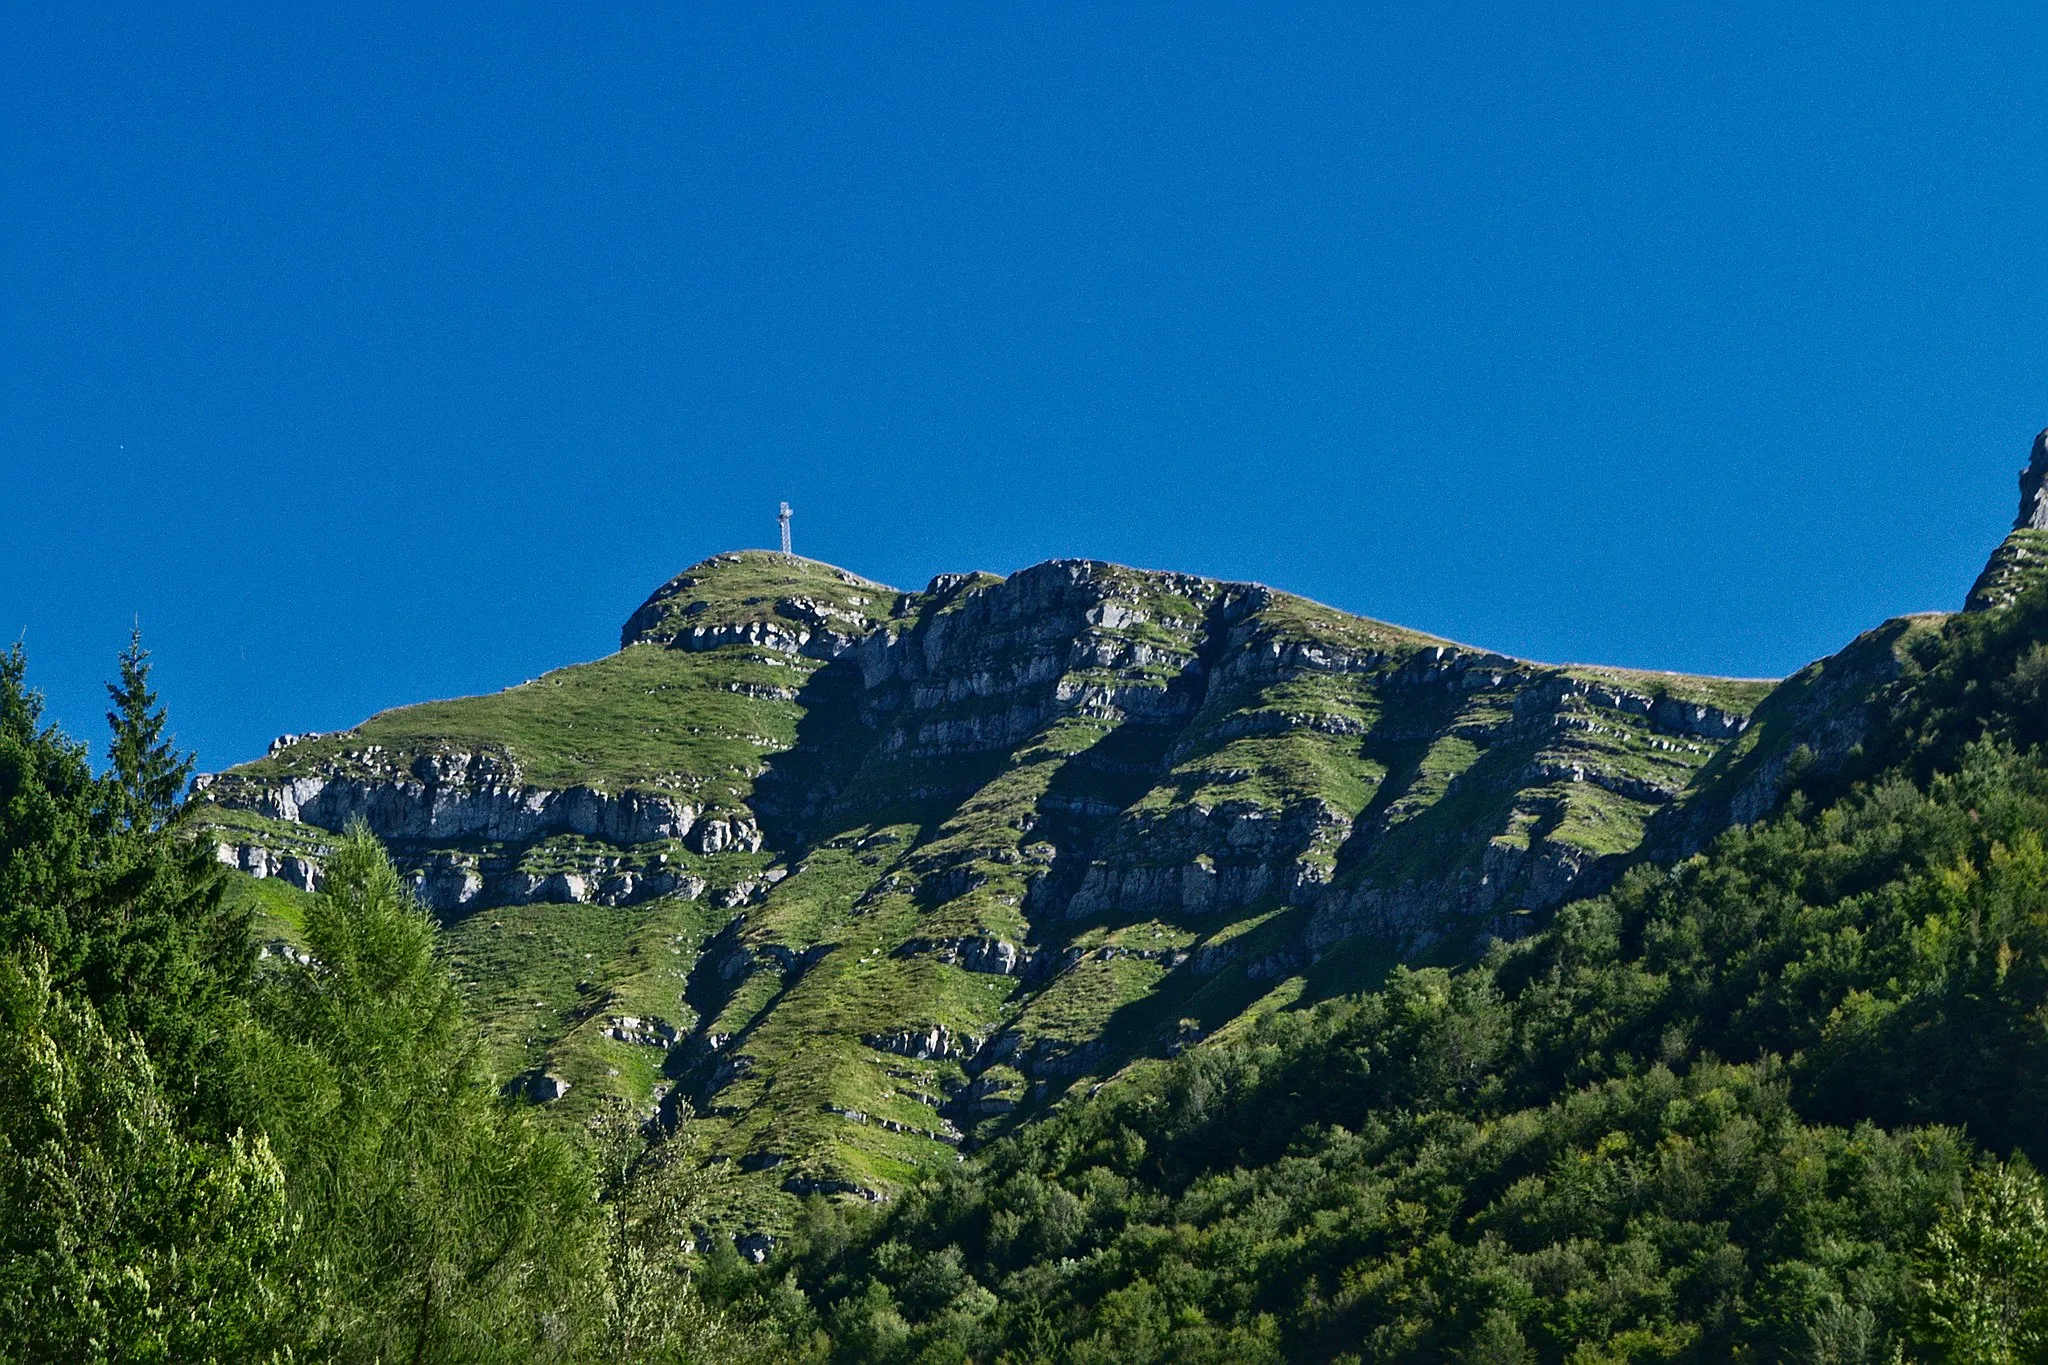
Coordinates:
x,y
277,909
700,724
533,972
1290,617
1739,695
1817,699
1403,780
2020,561
697,724
231,825
752,585
1076,1006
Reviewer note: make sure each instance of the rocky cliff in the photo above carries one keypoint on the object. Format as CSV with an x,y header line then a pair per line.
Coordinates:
x,y
872,873
863,876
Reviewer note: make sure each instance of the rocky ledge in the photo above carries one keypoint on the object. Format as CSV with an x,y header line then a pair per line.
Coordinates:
x,y
466,828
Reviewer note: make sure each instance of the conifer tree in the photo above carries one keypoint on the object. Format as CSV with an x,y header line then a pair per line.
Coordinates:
x,y
47,826
20,708
167,955
447,1226
144,765
100,874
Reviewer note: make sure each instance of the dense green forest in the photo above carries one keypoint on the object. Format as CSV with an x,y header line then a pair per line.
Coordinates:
x,y
1779,1101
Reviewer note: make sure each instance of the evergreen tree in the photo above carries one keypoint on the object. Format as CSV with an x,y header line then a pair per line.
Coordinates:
x,y
20,709
445,1225
49,836
102,875
147,770
167,955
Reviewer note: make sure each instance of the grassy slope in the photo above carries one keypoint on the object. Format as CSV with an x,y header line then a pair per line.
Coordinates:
x,y
278,910
644,717
750,586
1764,947
802,1034
833,955
2019,562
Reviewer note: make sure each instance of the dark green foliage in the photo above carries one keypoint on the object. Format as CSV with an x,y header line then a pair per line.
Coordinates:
x,y
134,1224
1241,1208
1983,674
147,772
48,840
195,1169
1087,775
1780,1101
101,874
443,1223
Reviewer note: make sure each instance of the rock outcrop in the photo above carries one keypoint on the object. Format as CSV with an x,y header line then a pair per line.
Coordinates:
x,y
2033,514
949,847
466,827
454,796
2021,561
837,611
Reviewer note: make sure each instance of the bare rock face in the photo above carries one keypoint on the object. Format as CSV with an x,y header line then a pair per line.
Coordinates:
x,y
2034,489
2021,560
546,1088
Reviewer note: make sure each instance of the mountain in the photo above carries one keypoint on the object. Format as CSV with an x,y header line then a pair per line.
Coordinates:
x,y
869,877
1778,1092
865,875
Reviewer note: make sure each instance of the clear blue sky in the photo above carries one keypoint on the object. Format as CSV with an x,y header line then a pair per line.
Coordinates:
x,y
386,354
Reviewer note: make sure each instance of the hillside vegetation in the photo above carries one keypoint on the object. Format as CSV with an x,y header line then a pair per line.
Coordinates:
x,y
1750,1106
865,877
1088,965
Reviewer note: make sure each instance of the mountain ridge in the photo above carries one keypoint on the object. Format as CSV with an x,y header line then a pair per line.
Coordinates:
x,y
864,877
868,875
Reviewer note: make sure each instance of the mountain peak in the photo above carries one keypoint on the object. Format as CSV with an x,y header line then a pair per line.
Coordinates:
x,y
2033,495
2021,559
1032,828
758,590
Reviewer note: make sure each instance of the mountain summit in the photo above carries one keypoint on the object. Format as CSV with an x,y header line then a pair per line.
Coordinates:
x,y
2021,558
865,876
2033,496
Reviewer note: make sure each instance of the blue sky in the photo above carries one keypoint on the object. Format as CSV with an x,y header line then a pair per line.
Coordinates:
x,y
384,354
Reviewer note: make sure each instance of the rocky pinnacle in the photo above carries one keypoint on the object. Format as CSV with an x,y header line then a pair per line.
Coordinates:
x,y
2033,496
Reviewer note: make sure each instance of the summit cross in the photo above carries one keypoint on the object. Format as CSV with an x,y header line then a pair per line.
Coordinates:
x,y
783,517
